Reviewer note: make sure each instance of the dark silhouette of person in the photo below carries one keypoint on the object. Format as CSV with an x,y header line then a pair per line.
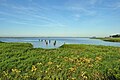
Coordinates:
x,y
49,41
46,42
41,40
54,43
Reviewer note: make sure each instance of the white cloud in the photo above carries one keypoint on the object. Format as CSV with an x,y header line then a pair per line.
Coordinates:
x,y
28,14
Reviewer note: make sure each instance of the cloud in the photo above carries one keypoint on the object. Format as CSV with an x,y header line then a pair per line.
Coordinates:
x,y
82,7
21,14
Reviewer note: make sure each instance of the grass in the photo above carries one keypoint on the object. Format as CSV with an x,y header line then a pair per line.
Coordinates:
x,y
109,39
20,61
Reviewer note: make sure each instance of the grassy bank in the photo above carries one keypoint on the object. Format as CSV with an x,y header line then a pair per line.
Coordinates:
x,y
1,42
109,39
19,61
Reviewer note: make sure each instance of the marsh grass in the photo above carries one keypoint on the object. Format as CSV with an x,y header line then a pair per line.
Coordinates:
x,y
109,39
20,61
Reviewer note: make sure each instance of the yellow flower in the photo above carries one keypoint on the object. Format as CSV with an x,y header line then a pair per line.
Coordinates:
x,y
72,69
26,76
49,63
16,70
90,65
78,64
85,60
73,79
34,68
39,63
83,73
46,71
98,58
57,66
5,73
70,59
85,77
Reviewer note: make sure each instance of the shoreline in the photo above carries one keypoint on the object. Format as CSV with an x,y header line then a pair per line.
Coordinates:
x,y
108,39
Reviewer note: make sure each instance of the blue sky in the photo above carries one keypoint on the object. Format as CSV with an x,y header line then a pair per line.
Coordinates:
x,y
75,18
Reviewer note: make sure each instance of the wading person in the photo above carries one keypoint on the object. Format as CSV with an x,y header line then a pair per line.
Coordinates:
x,y
54,43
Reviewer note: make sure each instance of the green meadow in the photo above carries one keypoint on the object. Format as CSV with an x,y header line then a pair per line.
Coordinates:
x,y
20,61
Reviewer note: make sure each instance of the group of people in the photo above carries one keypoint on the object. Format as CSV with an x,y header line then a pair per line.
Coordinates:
x,y
48,41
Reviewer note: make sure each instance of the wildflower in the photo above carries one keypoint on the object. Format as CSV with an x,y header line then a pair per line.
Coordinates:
x,y
90,65
73,79
70,59
34,68
16,70
57,66
72,69
5,73
85,77
41,71
46,71
39,63
83,73
49,63
87,60
98,58
66,58
26,76
60,69
78,64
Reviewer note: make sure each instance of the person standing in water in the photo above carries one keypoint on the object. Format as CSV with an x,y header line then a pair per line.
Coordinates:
x,y
49,41
41,40
54,43
46,42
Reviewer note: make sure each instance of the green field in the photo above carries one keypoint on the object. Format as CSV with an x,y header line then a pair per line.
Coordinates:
x,y
20,61
109,39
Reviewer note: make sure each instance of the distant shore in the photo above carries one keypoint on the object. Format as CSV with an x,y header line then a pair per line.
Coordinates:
x,y
108,39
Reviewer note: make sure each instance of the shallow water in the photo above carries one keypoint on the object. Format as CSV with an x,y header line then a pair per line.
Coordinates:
x,y
50,42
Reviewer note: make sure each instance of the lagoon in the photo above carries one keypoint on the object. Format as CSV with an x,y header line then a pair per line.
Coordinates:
x,y
40,42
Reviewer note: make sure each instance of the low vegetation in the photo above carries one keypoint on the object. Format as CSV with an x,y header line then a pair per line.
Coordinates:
x,y
112,39
108,39
115,36
1,42
20,61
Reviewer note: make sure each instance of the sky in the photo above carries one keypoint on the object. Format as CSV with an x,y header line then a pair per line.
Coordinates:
x,y
59,18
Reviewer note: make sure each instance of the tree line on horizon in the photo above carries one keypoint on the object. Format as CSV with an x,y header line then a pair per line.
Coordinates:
x,y
114,36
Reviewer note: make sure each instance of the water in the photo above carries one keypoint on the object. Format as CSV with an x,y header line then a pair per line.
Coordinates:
x,y
50,42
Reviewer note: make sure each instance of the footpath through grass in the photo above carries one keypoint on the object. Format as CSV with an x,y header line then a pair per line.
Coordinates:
x,y
19,61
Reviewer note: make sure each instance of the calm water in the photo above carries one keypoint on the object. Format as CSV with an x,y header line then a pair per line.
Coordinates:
x,y
50,42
